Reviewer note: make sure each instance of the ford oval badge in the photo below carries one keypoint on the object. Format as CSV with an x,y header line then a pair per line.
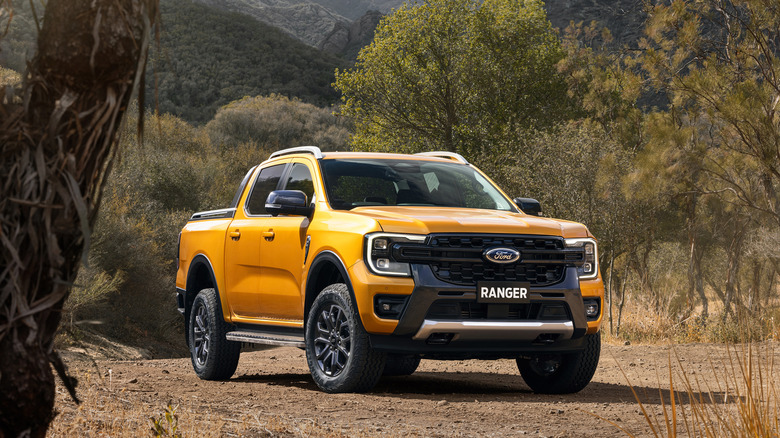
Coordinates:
x,y
502,255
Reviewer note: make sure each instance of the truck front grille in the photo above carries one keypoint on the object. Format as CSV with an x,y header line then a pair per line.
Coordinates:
x,y
458,259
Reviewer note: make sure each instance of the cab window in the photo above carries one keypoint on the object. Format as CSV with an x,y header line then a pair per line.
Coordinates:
x,y
265,183
300,179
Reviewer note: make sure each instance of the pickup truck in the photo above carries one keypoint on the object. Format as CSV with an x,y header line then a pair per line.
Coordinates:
x,y
371,262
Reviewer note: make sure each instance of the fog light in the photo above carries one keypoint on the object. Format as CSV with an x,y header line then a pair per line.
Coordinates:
x,y
390,306
592,308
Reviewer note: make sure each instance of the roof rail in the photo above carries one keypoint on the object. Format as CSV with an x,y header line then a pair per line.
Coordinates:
x,y
314,150
445,154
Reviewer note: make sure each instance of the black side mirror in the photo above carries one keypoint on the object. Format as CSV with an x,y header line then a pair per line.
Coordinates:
x,y
529,206
292,202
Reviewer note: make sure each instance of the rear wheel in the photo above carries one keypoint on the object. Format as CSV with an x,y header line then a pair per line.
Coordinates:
x,y
213,356
338,352
401,364
562,373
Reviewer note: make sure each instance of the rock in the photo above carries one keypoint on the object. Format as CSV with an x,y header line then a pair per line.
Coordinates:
x,y
442,403
133,380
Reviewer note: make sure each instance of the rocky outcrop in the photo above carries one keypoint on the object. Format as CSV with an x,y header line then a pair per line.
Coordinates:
x,y
308,22
348,39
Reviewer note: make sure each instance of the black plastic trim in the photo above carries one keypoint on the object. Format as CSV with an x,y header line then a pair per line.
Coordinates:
x,y
429,289
314,268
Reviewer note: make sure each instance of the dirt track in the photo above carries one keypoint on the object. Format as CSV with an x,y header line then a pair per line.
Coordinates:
x,y
467,398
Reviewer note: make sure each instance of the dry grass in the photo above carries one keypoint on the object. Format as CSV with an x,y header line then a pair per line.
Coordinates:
x,y
639,325
742,400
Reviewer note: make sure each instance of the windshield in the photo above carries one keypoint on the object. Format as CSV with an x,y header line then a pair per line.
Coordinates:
x,y
354,183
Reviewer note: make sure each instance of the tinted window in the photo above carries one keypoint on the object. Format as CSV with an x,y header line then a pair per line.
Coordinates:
x,y
357,183
300,179
264,184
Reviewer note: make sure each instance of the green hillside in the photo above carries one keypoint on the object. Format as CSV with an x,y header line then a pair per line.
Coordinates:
x,y
208,58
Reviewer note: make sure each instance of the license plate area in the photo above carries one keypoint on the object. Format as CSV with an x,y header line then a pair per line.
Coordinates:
x,y
503,292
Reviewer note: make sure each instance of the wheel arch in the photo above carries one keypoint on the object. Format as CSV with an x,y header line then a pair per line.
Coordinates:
x,y
200,275
327,268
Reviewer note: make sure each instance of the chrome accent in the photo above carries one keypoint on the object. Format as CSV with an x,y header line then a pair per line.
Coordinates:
x,y
496,330
264,338
501,255
445,154
314,150
573,243
223,213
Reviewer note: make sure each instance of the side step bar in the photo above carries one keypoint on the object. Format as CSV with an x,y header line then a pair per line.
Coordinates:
x,y
267,338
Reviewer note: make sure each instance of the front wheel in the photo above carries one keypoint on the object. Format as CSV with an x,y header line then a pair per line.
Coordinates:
x,y
213,356
562,373
338,352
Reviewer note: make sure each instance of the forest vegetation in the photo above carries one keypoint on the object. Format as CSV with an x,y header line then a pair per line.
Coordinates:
x,y
667,149
206,58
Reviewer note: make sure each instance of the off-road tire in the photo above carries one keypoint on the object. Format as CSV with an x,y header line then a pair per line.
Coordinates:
x,y
401,364
206,325
573,373
357,371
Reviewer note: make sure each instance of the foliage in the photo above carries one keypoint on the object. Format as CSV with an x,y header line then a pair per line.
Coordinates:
x,y
457,75
168,424
715,146
277,122
9,78
207,58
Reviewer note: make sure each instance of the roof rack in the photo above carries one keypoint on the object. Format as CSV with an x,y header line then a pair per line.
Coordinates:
x,y
314,150
445,154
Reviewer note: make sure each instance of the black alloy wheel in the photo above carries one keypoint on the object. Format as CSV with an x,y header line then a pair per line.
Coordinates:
x,y
332,345
338,351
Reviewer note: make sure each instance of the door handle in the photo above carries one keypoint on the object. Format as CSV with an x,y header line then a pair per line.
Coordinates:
x,y
235,235
269,235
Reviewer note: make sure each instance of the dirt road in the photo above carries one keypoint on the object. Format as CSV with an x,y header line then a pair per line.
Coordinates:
x,y
443,398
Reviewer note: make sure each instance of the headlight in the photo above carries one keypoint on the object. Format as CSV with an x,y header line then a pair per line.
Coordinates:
x,y
379,253
590,266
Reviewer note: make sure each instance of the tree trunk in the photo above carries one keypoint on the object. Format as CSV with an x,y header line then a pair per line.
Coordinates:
x,y
57,148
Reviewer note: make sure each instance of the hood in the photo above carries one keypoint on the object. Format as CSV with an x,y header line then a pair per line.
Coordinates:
x,y
425,220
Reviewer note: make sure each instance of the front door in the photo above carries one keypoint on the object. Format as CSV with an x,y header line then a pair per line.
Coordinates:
x,y
243,263
282,253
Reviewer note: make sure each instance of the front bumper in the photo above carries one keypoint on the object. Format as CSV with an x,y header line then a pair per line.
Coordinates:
x,y
493,330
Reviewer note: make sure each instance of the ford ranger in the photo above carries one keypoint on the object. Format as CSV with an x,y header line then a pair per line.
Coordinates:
x,y
371,262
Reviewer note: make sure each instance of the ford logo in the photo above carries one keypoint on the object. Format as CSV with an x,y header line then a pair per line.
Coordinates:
x,y
502,255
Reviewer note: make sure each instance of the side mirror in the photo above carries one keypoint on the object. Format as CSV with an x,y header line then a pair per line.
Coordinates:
x,y
292,202
529,206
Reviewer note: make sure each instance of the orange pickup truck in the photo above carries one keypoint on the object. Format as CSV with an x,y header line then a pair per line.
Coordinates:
x,y
371,262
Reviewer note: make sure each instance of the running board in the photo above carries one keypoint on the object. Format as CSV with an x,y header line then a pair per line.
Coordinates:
x,y
260,337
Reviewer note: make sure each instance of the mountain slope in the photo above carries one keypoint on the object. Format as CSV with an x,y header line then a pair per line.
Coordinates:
x,y
208,58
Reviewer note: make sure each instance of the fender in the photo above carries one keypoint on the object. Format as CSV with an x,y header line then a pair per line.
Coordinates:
x,y
320,261
191,283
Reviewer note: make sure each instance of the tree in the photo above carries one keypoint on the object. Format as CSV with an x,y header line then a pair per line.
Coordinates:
x,y
455,74
57,149
277,122
718,63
